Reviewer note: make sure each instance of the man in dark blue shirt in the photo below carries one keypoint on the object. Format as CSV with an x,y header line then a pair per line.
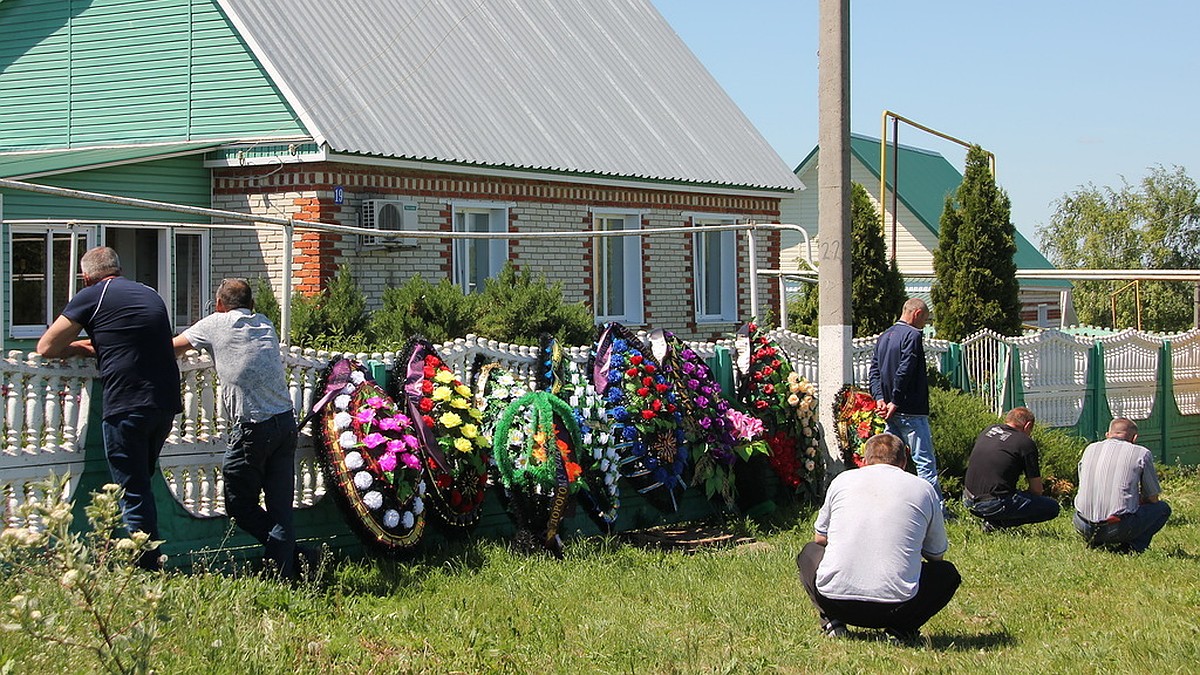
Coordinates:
x,y
901,387
129,333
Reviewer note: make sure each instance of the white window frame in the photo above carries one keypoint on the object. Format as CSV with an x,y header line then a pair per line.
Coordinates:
x,y
461,249
726,273
205,273
87,239
631,253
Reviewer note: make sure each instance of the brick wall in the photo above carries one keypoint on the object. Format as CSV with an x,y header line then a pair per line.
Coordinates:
x,y
305,192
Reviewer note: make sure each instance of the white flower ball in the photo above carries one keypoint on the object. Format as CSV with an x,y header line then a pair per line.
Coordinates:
x,y
363,480
373,499
354,460
357,377
342,421
348,389
341,401
347,439
418,506
391,518
408,520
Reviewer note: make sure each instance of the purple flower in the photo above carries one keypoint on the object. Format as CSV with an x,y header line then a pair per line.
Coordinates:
x,y
395,445
702,401
693,383
410,441
410,460
374,440
388,462
704,422
689,368
365,416
375,402
688,354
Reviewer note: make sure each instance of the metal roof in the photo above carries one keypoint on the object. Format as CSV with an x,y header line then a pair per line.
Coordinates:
x,y
25,165
600,87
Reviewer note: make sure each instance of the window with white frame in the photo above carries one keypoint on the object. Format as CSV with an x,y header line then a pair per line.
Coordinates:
x,y
191,276
618,269
715,267
39,264
476,260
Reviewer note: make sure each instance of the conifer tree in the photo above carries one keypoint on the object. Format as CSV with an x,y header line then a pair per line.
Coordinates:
x,y
976,285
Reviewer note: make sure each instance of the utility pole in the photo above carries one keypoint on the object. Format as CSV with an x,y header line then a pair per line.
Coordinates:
x,y
833,224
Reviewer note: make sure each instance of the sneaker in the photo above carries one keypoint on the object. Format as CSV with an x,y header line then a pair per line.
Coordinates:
x,y
834,629
906,638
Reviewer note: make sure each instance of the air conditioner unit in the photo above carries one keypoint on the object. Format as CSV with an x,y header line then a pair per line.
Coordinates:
x,y
388,214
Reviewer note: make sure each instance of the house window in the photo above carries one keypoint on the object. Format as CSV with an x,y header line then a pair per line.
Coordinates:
x,y
618,270
715,261
476,260
191,277
40,261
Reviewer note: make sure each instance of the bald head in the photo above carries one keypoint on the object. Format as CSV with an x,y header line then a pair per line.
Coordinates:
x,y
915,312
1123,428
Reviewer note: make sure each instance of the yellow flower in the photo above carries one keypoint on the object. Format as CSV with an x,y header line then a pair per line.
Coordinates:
x,y
459,403
470,431
441,393
793,400
444,376
463,390
462,445
450,420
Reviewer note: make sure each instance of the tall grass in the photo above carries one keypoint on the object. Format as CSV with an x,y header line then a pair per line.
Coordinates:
x,y
1033,599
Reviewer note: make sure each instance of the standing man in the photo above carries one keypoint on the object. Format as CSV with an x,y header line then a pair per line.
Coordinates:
x,y
863,566
130,335
1118,504
260,458
901,387
1001,453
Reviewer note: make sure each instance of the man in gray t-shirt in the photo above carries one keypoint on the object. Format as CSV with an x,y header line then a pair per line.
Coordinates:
x,y
1118,505
261,455
864,566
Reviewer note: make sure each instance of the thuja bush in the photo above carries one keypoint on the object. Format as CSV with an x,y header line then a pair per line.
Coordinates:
x,y
439,312
80,590
518,307
336,318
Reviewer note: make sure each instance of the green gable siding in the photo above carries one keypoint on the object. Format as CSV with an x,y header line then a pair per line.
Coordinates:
x,y
80,73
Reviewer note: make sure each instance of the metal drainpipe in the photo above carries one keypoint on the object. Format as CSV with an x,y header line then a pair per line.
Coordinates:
x,y
752,242
285,305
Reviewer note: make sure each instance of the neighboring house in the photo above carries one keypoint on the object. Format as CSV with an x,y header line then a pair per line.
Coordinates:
x,y
450,115
925,179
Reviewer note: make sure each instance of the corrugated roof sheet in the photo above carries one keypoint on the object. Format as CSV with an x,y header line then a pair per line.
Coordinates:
x,y
22,165
926,178
601,87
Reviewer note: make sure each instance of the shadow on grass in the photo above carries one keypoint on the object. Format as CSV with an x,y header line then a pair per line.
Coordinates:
x,y
942,642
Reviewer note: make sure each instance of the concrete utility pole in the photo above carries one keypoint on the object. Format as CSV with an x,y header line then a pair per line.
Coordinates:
x,y
833,224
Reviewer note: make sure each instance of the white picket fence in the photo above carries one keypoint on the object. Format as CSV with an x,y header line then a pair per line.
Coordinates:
x,y
47,400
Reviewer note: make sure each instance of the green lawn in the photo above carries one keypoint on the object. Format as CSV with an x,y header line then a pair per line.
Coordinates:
x,y
1033,599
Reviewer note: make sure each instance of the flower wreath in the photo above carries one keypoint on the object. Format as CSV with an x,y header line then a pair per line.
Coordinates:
x,y
567,379
857,419
785,402
447,422
642,403
706,421
535,447
371,455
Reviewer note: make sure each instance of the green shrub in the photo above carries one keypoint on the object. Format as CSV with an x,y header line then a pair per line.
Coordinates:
x,y
516,307
335,319
439,313
1059,452
956,419
265,302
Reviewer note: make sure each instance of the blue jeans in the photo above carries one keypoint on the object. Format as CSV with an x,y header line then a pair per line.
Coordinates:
x,y
261,458
914,429
1018,508
1135,529
132,443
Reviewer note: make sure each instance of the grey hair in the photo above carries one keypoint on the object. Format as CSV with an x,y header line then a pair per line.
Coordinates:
x,y
100,262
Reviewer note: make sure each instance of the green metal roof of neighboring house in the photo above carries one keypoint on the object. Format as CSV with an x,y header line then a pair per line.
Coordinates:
x,y
26,165
926,178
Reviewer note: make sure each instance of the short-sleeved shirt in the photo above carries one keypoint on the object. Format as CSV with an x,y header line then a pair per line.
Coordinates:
x,y
131,332
245,349
879,520
1000,455
1114,477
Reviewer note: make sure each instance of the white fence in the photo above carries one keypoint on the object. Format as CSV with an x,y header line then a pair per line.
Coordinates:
x,y
46,402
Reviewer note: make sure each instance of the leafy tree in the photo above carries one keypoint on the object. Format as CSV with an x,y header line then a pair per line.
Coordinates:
x,y
876,286
1152,225
976,285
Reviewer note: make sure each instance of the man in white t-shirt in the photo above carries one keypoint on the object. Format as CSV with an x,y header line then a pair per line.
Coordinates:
x,y
261,456
864,566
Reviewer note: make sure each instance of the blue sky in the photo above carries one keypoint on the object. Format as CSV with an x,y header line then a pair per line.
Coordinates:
x,y
1064,92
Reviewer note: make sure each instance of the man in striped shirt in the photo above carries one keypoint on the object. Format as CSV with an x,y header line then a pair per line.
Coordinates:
x,y
1118,504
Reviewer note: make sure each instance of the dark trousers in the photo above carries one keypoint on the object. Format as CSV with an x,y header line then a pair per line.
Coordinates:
x,y
132,443
1019,508
1135,529
939,580
261,459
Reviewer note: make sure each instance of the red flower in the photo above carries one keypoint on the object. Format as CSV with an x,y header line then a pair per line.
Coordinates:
x,y
426,387
650,368
757,376
635,359
660,387
426,405
431,360
648,414
760,404
769,389
670,407
455,498
427,420
444,480
647,381
643,391
656,405
775,363
632,372
428,371
864,429
767,370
